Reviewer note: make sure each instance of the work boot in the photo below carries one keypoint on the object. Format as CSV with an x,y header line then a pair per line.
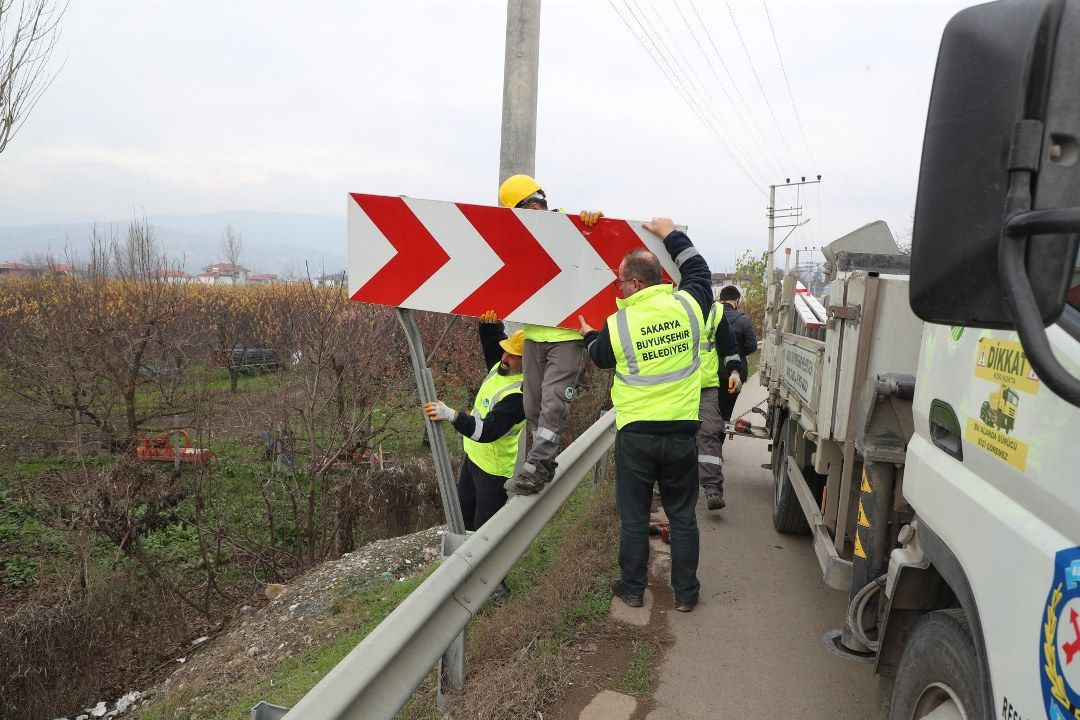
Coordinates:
x,y
714,497
631,599
531,479
688,604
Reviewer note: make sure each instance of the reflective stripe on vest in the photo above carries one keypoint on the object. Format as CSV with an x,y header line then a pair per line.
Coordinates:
x,y
499,456
710,364
655,337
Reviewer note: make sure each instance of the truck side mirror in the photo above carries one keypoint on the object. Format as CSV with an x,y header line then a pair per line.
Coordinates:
x,y
996,219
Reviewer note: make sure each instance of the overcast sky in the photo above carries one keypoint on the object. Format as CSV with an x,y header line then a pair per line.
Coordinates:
x,y
192,107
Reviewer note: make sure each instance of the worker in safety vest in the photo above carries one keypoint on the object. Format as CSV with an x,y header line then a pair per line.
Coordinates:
x,y
718,341
653,343
492,430
552,361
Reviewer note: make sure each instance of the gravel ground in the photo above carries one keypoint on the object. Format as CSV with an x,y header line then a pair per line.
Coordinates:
x,y
290,621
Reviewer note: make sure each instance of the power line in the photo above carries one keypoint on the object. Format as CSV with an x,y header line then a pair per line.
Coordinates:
x,y
787,82
761,87
669,73
731,102
675,83
734,85
704,94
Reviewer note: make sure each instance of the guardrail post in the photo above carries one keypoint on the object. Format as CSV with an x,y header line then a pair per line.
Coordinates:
x,y
266,711
600,471
452,664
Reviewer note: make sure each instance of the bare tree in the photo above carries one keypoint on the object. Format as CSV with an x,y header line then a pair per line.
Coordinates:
x,y
28,37
232,247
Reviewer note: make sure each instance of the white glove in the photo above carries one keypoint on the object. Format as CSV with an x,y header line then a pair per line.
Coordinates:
x,y
734,383
439,410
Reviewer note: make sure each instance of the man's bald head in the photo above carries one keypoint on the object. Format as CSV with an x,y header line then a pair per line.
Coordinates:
x,y
640,264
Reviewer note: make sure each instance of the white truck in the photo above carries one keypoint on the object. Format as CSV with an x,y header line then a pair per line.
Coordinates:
x,y
930,443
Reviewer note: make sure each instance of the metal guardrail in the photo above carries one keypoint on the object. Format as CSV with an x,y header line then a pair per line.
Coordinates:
x,y
377,677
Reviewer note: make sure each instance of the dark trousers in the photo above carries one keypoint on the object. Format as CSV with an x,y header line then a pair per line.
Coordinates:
x,y
671,461
727,402
480,494
727,409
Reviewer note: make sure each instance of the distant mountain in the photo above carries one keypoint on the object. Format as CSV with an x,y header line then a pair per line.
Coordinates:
x,y
273,242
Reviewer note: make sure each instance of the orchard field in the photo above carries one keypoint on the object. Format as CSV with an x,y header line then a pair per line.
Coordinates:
x,y
109,563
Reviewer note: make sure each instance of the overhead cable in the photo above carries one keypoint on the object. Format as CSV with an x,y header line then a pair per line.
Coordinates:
x,y
735,87
787,82
761,87
706,97
740,115
678,86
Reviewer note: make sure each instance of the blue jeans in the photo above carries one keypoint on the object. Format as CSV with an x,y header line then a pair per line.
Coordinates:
x,y
670,460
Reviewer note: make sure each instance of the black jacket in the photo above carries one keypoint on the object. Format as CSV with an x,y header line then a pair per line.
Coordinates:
x,y
743,328
509,411
697,281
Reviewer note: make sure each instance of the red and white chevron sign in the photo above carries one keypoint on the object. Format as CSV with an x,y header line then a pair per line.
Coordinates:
x,y
529,266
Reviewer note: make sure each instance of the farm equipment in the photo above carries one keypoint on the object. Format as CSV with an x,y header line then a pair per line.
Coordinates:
x,y
249,360
171,446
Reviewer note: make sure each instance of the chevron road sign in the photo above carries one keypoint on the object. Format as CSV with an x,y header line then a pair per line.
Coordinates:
x,y
529,266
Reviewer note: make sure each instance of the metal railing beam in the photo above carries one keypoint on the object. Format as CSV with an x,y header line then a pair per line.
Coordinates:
x,y
377,677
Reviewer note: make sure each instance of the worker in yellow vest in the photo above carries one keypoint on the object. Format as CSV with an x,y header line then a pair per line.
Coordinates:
x,y
653,343
552,361
492,430
718,341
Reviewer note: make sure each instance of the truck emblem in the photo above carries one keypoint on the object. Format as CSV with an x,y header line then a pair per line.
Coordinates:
x,y
1059,639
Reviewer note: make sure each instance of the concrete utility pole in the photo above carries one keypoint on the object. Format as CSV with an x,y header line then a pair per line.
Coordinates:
x,y
773,214
769,258
517,153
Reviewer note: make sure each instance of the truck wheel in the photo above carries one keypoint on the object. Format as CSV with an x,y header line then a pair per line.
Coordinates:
x,y
939,673
787,514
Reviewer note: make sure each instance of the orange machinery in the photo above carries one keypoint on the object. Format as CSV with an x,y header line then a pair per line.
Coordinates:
x,y
164,449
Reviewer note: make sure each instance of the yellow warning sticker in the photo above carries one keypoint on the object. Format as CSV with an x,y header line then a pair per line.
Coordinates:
x,y
865,487
1004,361
863,520
858,547
997,443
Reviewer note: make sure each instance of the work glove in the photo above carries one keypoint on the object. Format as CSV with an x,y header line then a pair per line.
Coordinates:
x,y
439,410
489,317
734,382
589,217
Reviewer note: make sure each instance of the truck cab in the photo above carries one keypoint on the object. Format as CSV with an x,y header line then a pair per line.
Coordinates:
x,y
946,501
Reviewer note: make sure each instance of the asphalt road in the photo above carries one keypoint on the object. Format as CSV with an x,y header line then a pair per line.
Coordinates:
x,y
753,646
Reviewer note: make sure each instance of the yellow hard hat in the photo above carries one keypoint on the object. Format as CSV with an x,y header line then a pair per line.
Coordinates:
x,y
515,189
515,344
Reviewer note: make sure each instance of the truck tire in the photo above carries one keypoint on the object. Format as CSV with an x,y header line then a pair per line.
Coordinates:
x,y
939,668
787,514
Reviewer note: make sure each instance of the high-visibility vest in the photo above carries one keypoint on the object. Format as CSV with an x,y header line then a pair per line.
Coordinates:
x,y
710,362
543,333
656,336
498,457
